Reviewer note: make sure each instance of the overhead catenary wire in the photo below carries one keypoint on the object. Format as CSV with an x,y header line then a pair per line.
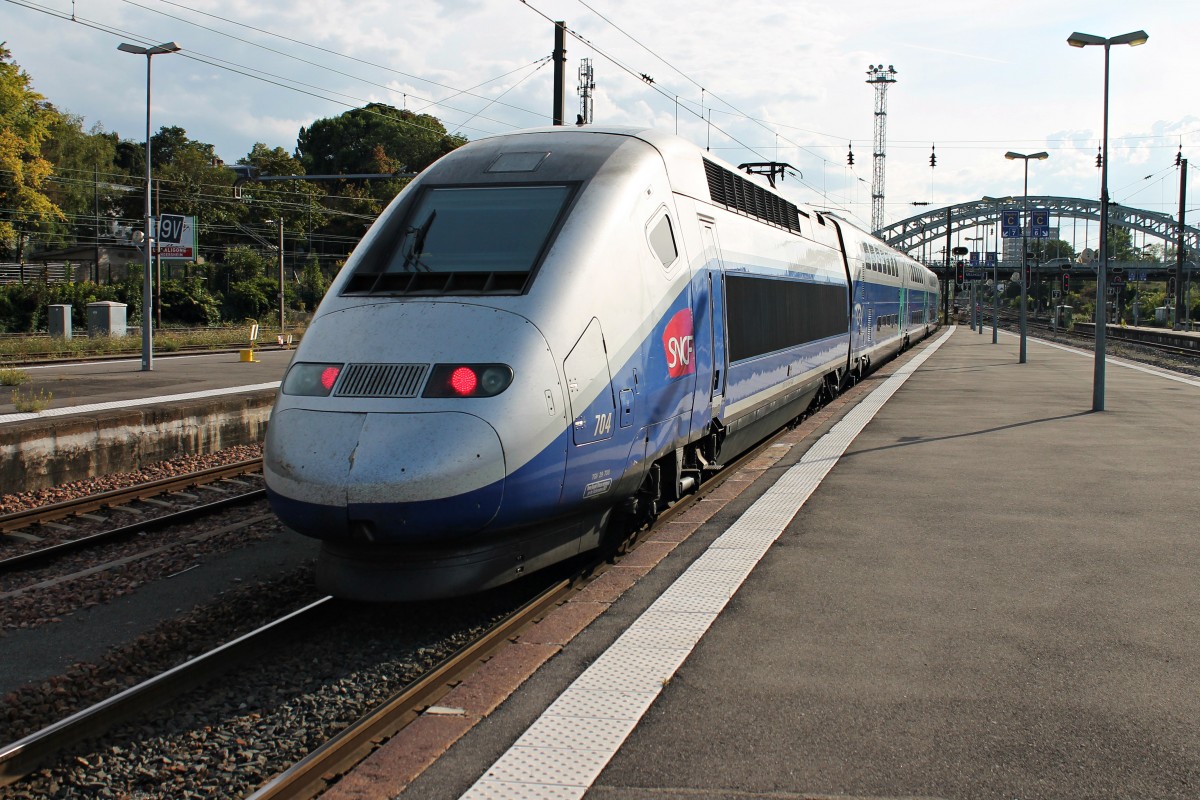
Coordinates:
x,y
815,150
672,97
429,101
239,69
363,61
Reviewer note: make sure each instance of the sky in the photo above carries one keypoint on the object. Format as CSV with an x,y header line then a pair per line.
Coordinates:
x,y
750,80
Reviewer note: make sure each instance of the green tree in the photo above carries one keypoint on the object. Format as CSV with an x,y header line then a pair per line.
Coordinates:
x,y
253,298
313,285
26,121
377,138
172,144
189,180
297,202
1048,249
87,186
241,263
188,302
1120,244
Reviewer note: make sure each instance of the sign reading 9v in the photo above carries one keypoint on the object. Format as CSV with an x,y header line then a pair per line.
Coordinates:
x,y
177,237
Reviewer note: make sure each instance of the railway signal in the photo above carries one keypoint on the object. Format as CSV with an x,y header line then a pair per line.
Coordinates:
x,y
960,273
1066,283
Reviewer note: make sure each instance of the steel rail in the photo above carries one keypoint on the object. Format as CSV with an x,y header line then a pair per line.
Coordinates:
x,y
28,559
1114,334
116,497
26,755
314,773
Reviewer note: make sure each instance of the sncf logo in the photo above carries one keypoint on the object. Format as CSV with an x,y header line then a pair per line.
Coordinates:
x,y
679,345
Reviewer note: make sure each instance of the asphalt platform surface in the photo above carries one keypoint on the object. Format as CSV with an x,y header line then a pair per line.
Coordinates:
x,y
995,593
76,385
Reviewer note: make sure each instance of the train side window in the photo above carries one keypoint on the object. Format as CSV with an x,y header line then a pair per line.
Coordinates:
x,y
662,240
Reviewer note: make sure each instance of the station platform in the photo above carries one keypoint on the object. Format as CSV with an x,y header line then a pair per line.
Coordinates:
x,y
80,387
963,584
110,416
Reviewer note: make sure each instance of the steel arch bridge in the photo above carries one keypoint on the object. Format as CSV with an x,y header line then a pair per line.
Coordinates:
x,y
931,227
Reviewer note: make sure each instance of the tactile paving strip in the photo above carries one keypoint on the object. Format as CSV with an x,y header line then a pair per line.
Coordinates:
x,y
561,754
574,733
631,669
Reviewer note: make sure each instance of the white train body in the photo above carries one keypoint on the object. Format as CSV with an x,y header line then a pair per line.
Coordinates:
x,y
551,326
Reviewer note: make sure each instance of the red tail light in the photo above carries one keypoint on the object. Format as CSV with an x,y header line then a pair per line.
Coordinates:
x,y
464,381
468,380
312,380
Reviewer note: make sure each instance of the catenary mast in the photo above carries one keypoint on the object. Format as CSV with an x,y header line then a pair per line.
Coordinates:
x,y
880,78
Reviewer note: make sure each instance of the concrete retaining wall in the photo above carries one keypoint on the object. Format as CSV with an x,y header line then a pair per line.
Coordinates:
x,y
37,455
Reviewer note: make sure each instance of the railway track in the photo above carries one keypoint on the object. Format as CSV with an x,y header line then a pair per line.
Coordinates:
x,y
1009,321
115,497
311,774
227,474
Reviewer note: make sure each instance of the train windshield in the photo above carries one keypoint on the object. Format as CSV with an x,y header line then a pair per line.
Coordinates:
x,y
464,239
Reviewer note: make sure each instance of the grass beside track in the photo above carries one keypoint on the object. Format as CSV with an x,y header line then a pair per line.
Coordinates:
x,y
32,348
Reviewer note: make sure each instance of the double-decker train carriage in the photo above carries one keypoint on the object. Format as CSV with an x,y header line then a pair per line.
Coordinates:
x,y
550,330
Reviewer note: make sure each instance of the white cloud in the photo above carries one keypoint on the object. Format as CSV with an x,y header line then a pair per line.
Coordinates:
x,y
977,84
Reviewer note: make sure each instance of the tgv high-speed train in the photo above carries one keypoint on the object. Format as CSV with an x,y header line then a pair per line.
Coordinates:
x,y
551,329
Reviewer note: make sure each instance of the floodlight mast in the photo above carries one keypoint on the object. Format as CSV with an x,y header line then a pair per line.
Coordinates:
x,y
1077,39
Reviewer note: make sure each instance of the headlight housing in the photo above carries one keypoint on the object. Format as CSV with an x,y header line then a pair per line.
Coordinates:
x,y
311,379
468,380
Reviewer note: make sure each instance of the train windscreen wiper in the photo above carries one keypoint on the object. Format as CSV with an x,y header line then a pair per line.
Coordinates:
x,y
413,257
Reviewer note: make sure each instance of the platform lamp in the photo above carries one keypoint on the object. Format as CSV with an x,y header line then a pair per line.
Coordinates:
x,y
979,302
1083,40
279,222
1011,156
151,237
995,270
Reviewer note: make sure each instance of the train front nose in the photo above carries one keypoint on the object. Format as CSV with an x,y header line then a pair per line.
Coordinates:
x,y
390,478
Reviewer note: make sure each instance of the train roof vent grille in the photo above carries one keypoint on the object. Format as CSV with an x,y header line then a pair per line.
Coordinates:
x,y
382,380
733,191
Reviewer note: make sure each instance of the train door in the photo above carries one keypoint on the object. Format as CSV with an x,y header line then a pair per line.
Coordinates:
x,y
589,387
716,314
590,467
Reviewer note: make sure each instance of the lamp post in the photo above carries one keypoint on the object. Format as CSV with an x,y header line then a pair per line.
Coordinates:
x,y
995,270
1011,156
151,235
280,221
1083,40
979,303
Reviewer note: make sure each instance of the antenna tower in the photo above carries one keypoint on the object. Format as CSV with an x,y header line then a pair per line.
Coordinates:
x,y
586,84
879,78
